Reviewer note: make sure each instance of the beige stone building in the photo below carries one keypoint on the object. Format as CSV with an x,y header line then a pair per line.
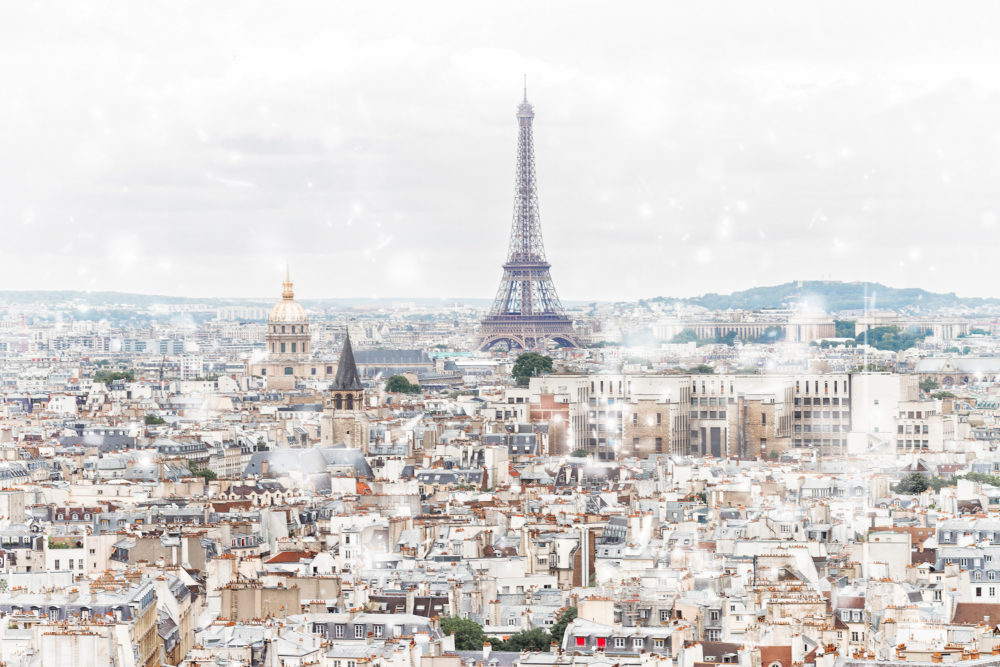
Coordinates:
x,y
289,345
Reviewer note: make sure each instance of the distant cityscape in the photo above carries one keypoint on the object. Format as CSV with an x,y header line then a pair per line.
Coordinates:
x,y
798,475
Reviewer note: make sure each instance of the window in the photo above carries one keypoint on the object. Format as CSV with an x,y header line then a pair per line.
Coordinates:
x,y
854,636
359,631
637,643
619,642
288,370
713,615
338,631
511,621
378,630
664,615
581,641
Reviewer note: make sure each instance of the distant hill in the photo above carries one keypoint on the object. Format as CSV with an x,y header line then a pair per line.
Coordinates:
x,y
108,299
96,299
834,296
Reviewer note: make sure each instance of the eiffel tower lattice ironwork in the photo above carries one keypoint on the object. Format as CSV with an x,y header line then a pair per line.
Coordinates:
x,y
526,313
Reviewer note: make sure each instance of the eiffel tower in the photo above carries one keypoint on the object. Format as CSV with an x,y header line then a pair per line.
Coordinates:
x,y
526,313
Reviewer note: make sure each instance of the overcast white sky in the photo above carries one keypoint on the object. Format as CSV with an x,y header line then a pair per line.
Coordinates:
x,y
191,148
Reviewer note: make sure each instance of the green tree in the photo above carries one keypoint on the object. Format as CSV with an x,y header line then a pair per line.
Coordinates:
x,y
771,334
685,336
204,473
468,634
927,385
536,639
529,365
844,328
558,628
398,384
107,377
891,338
701,369
912,483
154,420
578,453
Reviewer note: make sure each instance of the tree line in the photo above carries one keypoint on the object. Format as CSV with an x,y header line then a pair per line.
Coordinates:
x,y
469,635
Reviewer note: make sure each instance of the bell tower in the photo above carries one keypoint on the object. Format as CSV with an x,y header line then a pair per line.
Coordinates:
x,y
344,418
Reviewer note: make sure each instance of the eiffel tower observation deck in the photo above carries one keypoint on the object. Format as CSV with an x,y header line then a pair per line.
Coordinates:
x,y
526,313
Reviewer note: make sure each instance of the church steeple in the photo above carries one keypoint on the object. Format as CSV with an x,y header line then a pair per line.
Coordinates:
x,y
287,292
347,378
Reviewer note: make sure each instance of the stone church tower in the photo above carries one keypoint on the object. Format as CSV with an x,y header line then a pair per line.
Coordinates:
x,y
344,418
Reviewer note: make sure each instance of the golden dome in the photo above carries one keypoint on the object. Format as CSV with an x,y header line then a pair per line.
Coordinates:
x,y
288,310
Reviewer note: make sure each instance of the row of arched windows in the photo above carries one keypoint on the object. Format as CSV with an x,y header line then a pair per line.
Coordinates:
x,y
282,346
301,330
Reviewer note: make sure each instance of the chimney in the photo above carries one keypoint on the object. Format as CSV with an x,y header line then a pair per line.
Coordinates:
x,y
410,599
487,648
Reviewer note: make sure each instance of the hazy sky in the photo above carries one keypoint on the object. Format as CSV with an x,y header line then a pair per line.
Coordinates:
x,y
191,148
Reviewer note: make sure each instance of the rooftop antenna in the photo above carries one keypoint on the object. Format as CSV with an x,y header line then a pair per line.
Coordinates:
x,y
526,87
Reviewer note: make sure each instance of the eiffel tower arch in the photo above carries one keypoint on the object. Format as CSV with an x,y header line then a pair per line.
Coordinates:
x,y
526,313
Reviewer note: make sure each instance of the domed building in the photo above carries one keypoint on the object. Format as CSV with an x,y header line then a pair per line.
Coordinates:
x,y
289,345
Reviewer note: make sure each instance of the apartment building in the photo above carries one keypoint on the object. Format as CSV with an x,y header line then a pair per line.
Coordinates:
x,y
615,415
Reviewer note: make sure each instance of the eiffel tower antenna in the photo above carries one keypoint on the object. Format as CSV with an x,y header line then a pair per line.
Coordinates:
x,y
526,313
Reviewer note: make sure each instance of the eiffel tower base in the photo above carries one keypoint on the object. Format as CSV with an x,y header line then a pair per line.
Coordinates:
x,y
526,333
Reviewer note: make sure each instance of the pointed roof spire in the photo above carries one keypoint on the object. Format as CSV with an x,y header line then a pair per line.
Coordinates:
x,y
347,370
524,109
287,292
